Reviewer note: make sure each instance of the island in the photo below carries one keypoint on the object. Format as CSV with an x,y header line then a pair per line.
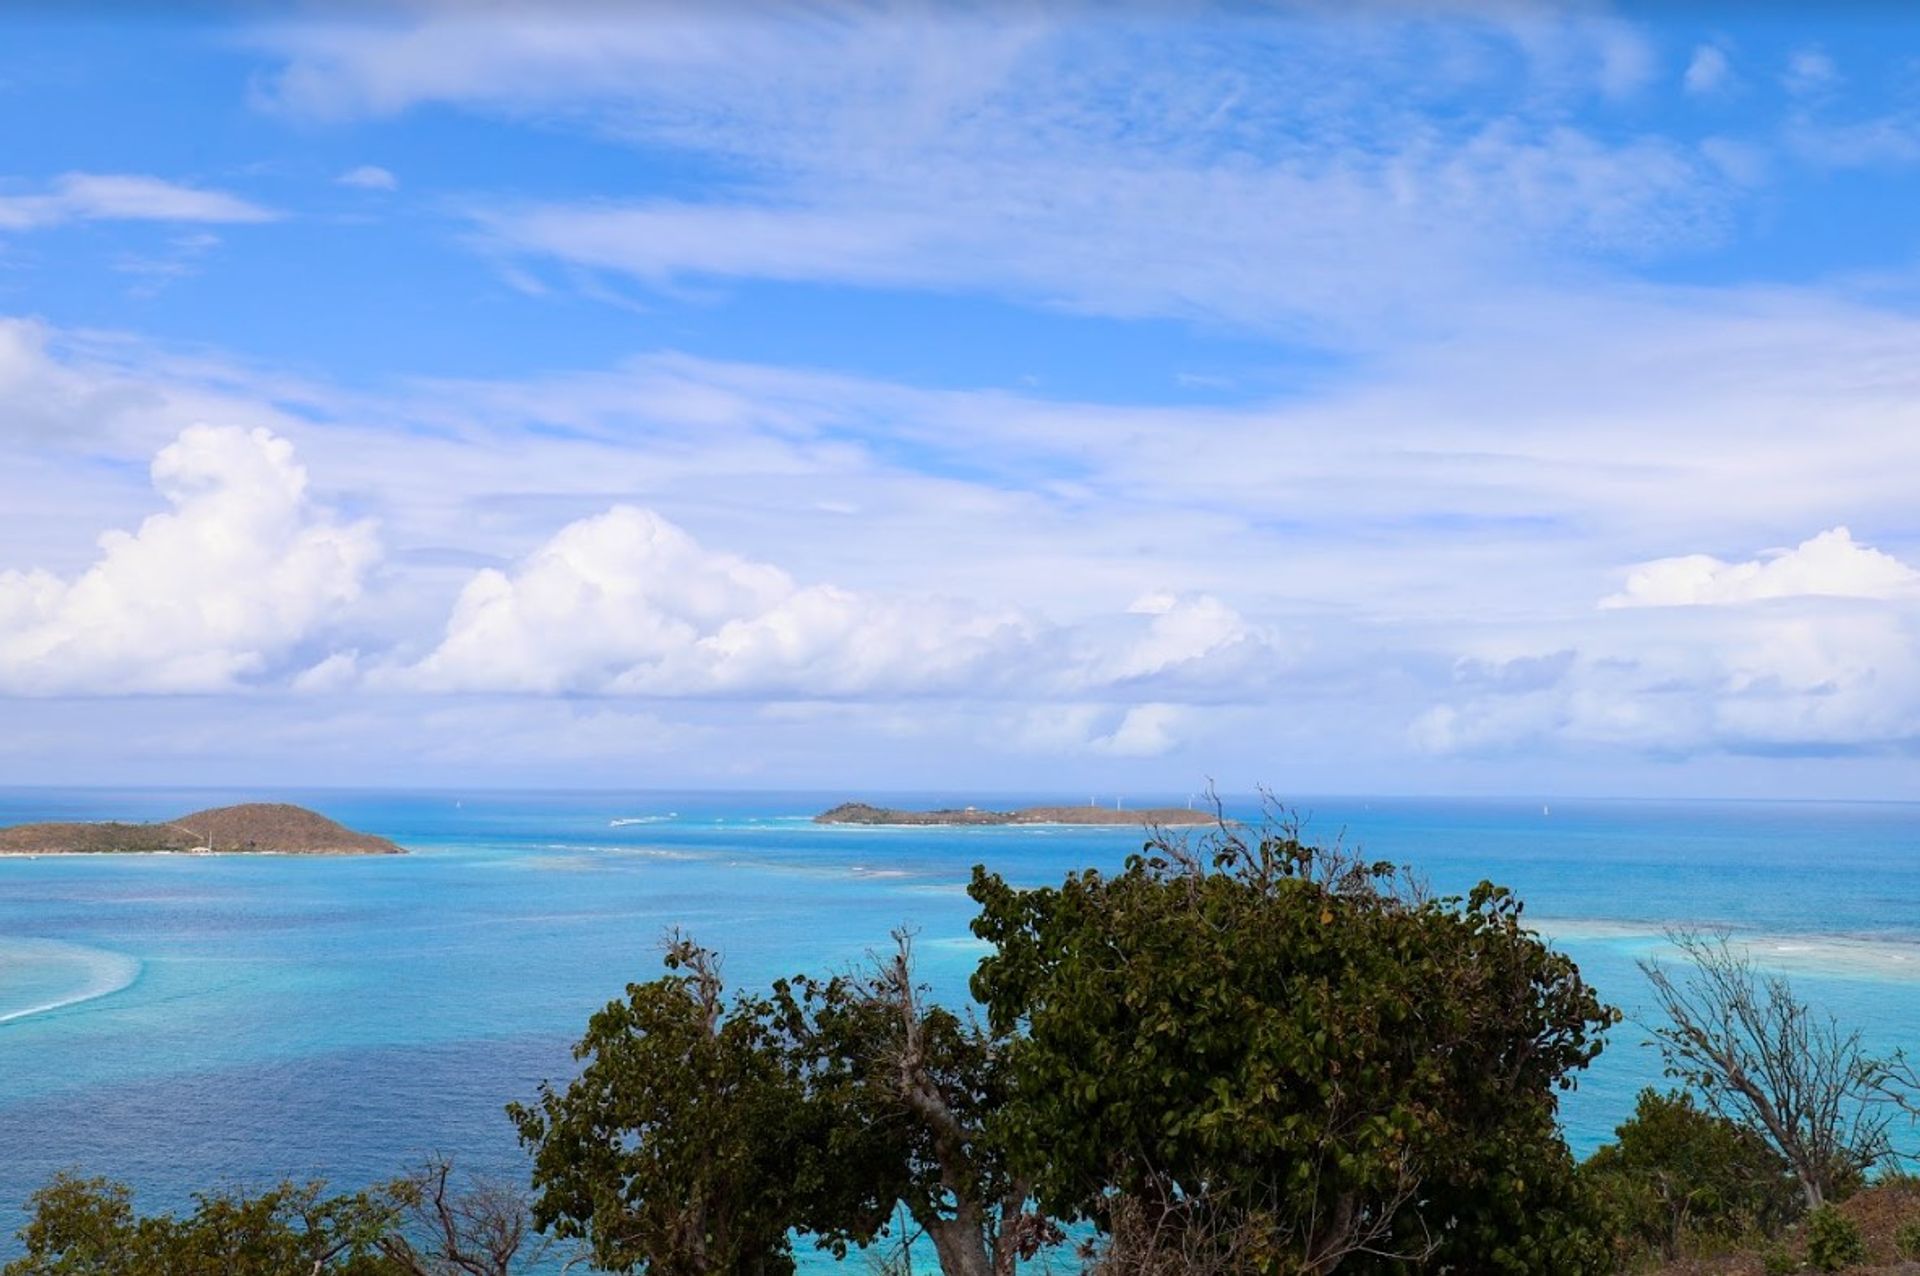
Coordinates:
x,y
971,816
252,828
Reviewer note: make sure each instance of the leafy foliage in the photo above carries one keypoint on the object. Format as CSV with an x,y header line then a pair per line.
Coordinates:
x,y
699,1134
1833,1240
682,1147
87,1227
1677,1168
1906,1239
1298,1041
425,1224
908,1088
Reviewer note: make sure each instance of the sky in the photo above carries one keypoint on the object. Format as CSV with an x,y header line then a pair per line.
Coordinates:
x,y
1420,399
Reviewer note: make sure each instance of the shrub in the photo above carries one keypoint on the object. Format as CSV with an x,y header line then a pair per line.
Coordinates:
x,y
1833,1240
1678,1169
1776,1261
1906,1239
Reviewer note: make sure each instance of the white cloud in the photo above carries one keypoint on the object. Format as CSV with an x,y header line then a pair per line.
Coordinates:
x,y
1682,664
1708,70
1822,677
1187,636
626,603
201,598
1831,564
123,197
1469,502
1056,160
1362,245
336,672
1810,71
1084,728
369,177
1886,141
1146,731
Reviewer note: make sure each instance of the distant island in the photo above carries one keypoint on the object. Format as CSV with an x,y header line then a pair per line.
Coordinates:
x,y
1165,816
258,828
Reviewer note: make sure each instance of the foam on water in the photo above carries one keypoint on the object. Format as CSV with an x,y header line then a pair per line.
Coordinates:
x,y
1812,953
39,976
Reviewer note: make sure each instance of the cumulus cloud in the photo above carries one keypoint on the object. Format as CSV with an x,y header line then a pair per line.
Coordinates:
x,y
1829,676
1831,564
123,197
200,598
1188,638
1079,727
1146,730
628,603
1683,663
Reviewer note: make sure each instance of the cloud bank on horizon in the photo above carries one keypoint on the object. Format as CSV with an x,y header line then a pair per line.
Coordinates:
x,y
1473,400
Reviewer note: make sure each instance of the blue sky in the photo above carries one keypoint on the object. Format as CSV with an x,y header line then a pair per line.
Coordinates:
x,y
1485,399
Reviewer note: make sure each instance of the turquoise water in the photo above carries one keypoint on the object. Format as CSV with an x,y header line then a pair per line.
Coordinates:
x,y
181,1022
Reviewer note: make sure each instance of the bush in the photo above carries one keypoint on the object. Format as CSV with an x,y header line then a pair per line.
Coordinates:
x,y
90,1226
1906,1239
1679,1170
1776,1261
1833,1240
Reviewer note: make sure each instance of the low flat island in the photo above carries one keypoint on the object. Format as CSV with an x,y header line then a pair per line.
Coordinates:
x,y
1162,816
252,828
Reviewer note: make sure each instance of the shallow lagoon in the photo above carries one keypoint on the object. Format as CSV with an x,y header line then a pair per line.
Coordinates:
x,y
184,1021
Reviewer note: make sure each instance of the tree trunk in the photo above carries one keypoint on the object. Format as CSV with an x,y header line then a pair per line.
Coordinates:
x,y
961,1245
1326,1251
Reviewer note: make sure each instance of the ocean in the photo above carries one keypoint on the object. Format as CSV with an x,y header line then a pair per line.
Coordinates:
x,y
190,1022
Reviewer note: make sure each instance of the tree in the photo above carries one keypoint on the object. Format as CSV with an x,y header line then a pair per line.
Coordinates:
x,y
887,1060
680,1147
1762,1057
87,1227
699,1135
1677,1168
444,1228
1257,1034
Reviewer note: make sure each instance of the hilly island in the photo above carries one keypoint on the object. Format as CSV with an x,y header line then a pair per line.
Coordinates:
x,y
258,828
1159,816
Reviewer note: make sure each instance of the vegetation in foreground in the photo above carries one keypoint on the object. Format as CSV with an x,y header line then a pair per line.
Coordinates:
x,y
1244,1054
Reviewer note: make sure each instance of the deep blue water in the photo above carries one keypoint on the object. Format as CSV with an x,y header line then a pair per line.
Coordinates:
x,y
182,1022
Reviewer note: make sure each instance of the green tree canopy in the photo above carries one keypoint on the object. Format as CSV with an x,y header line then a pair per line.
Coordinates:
x,y
1256,1031
701,1134
88,1227
681,1149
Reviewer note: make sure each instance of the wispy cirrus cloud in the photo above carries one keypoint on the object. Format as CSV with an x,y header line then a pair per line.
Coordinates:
x,y
1223,166
121,197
